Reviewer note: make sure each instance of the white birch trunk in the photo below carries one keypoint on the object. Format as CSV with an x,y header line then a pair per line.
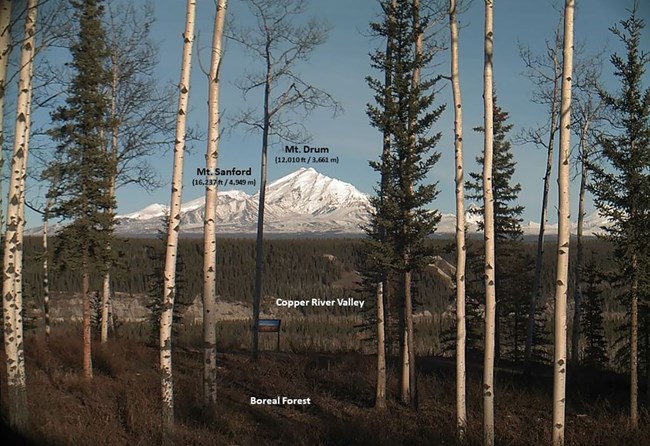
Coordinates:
x,y
461,372
21,229
106,288
5,48
380,398
12,262
106,293
46,271
488,218
210,229
564,227
167,388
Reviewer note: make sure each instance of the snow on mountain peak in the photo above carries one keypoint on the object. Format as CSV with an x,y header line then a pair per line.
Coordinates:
x,y
303,201
309,192
151,211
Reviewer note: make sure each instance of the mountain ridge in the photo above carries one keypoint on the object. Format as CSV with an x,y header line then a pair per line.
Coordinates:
x,y
304,201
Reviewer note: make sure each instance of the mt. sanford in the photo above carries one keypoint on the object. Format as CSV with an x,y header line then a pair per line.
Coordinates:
x,y
304,201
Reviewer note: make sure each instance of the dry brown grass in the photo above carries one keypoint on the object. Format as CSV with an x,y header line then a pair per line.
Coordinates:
x,y
121,404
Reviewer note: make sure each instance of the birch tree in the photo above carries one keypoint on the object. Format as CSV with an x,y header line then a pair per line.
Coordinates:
x,y
12,262
166,318
5,49
288,99
461,372
210,217
46,269
488,222
564,228
544,72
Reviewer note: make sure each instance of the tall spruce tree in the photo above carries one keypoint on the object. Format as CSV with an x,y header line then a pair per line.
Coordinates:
x,y
507,225
376,274
621,184
407,111
507,215
82,167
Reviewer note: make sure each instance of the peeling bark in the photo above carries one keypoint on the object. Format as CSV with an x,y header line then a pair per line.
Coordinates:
x,y
564,227
488,218
46,274
5,48
12,262
167,388
380,395
210,229
461,372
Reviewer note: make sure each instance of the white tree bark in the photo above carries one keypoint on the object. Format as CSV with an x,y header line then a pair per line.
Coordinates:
x,y
12,262
21,228
46,271
106,293
461,372
488,218
380,397
564,227
5,48
106,288
167,388
210,221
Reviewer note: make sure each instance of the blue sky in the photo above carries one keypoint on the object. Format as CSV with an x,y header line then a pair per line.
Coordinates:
x,y
340,65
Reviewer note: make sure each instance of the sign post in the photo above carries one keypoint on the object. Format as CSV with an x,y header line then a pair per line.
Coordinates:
x,y
270,326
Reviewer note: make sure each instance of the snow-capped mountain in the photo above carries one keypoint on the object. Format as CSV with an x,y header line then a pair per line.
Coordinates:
x,y
304,201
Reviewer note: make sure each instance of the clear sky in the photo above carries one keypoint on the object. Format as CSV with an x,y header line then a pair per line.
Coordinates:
x,y
340,66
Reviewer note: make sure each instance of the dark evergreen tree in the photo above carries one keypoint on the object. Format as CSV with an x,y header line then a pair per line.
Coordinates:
x,y
405,111
507,214
511,269
595,353
81,164
621,181
82,167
